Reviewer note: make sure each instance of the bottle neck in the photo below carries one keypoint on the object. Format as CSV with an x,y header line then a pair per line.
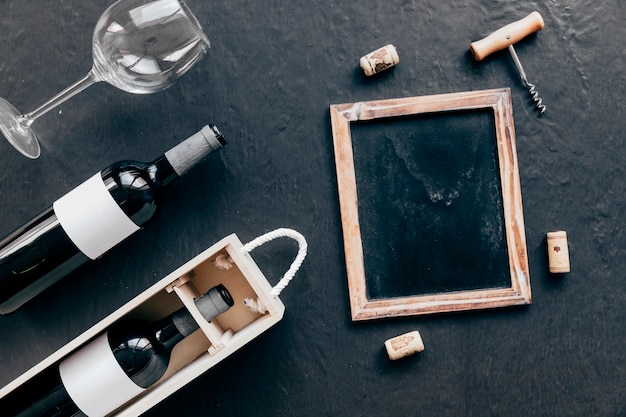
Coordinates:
x,y
162,172
172,164
214,302
174,328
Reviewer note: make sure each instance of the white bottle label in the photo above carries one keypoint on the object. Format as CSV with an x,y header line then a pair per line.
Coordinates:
x,y
95,381
92,219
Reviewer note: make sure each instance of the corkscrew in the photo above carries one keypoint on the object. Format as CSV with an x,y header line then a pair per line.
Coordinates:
x,y
505,37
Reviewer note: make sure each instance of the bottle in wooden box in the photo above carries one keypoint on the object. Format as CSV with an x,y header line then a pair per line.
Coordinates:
x,y
118,365
256,307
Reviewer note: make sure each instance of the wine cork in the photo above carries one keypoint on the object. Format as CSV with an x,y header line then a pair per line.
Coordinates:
x,y
558,252
404,345
379,60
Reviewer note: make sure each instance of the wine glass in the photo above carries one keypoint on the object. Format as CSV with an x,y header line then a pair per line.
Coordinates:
x,y
139,46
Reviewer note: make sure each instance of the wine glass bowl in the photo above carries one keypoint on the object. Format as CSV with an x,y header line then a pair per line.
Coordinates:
x,y
139,46
147,48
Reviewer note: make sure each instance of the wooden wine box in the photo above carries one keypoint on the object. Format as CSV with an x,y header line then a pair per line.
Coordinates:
x,y
227,263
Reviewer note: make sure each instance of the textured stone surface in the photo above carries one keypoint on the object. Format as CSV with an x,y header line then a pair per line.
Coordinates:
x,y
267,82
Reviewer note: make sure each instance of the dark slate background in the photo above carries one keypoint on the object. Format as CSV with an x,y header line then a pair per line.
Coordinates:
x,y
273,70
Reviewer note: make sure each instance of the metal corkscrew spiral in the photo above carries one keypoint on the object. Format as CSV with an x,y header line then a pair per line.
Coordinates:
x,y
505,37
531,87
535,96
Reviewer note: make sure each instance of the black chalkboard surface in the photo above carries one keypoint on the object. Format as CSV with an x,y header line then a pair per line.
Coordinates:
x,y
430,204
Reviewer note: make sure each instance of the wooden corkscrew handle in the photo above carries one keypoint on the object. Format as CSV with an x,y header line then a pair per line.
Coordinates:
x,y
507,35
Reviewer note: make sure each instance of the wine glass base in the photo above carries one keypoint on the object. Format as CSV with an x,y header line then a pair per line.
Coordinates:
x,y
21,137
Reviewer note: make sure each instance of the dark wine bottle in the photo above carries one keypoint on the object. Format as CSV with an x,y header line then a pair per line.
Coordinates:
x,y
117,366
91,219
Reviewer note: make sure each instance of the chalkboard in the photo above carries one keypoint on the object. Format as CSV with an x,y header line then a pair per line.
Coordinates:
x,y
431,204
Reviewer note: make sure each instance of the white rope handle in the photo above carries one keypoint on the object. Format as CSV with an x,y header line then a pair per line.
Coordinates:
x,y
297,262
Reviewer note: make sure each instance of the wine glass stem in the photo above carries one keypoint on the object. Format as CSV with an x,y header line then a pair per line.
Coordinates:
x,y
27,119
